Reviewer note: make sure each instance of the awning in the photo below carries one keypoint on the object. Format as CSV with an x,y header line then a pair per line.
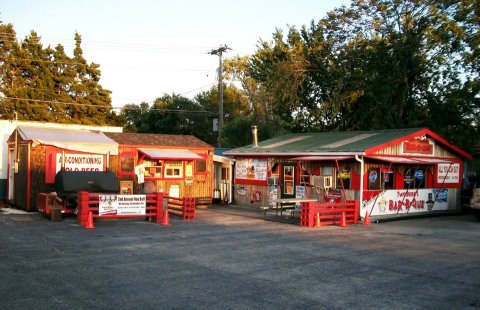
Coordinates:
x,y
170,154
322,158
435,160
411,160
88,141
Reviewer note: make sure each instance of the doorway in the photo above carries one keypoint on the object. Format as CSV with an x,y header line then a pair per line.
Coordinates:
x,y
288,180
11,174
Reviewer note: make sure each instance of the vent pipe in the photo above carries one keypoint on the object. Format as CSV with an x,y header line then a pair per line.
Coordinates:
x,y
255,136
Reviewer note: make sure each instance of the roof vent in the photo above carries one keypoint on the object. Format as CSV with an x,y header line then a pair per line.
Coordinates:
x,y
255,136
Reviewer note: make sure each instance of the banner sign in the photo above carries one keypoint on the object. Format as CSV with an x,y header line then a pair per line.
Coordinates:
x,y
251,169
80,162
122,205
448,173
402,201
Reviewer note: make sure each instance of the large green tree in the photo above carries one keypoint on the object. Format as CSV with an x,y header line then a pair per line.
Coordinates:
x,y
377,64
44,84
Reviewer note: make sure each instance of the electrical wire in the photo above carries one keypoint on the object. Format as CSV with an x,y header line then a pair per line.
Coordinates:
x,y
107,107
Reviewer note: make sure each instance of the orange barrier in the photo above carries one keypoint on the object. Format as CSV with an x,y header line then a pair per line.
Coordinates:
x,y
340,213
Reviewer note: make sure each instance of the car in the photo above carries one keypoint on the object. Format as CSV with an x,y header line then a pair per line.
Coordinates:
x,y
475,200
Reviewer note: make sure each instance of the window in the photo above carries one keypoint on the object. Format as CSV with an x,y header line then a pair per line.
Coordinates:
x,y
126,163
343,177
419,178
326,171
153,168
387,178
174,169
414,178
201,166
374,178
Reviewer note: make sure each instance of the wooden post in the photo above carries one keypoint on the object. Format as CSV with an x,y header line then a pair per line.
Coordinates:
x,y
356,210
159,207
83,208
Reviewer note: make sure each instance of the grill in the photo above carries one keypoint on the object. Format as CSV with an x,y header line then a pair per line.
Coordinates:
x,y
69,183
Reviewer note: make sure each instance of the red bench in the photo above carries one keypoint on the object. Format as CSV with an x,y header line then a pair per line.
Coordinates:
x,y
328,213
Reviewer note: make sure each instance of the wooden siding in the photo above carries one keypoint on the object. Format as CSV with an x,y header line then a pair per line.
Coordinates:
x,y
37,174
200,188
396,150
20,179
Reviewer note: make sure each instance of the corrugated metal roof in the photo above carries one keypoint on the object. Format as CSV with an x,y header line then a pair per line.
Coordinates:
x,y
91,141
323,143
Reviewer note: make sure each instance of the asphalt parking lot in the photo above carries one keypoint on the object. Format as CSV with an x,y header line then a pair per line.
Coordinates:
x,y
232,258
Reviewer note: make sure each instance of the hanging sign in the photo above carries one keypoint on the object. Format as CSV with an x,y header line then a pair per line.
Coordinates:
x,y
417,145
402,201
448,173
121,204
251,169
80,162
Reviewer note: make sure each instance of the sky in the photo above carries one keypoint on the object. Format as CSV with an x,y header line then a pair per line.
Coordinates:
x,y
148,48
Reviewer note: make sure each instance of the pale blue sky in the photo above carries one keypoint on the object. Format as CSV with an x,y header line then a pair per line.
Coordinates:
x,y
147,48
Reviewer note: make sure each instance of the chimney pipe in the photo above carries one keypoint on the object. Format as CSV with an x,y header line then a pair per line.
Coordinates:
x,y
255,136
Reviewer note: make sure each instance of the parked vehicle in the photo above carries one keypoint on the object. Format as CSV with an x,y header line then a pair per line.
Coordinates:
x,y
475,201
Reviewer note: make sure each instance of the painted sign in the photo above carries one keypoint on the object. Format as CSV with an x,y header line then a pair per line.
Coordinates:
x,y
300,192
448,173
80,162
241,190
272,194
418,145
251,169
404,201
122,204
256,196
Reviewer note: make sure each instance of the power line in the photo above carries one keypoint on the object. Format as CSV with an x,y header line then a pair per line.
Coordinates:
x,y
106,107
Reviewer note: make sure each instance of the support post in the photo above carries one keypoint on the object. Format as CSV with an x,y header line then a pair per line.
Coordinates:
x,y
159,207
83,208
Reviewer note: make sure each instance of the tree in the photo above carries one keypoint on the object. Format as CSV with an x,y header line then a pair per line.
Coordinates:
x,y
377,64
44,84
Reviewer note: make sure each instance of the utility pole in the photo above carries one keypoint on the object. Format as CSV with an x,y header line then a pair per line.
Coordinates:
x,y
219,51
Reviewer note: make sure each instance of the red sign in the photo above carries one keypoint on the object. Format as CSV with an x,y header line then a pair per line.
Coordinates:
x,y
256,196
418,146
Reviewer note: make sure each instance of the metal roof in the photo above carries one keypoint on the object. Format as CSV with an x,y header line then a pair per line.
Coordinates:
x,y
323,143
90,141
170,154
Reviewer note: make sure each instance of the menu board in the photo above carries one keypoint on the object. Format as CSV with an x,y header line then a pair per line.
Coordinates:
x,y
251,169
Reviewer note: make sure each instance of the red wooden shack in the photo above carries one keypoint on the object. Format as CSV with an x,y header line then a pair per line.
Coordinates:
x,y
389,172
178,165
37,154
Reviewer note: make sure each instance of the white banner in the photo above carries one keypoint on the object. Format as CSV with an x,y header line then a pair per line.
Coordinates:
x,y
80,162
448,173
402,201
122,205
251,169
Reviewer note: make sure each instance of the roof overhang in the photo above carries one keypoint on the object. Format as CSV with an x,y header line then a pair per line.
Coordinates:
x,y
323,158
88,141
292,154
170,154
223,159
411,160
